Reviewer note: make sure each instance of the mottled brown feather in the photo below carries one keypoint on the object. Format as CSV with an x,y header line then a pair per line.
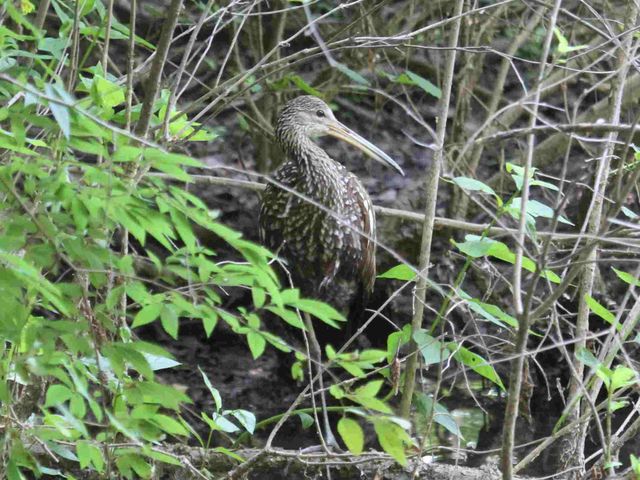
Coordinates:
x,y
324,252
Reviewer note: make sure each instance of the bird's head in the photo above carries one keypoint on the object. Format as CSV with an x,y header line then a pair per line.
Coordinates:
x,y
308,116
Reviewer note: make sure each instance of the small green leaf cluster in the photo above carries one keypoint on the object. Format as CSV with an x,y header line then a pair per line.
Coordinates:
x,y
392,432
221,420
436,351
92,248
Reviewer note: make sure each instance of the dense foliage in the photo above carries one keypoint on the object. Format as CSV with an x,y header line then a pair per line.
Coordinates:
x,y
101,233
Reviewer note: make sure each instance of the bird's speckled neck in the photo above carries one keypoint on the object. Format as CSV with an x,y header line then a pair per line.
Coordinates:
x,y
301,149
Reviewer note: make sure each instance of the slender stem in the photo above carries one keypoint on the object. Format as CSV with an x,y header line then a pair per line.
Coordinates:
x,y
131,62
431,186
523,314
173,97
155,76
75,47
460,210
107,37
575,448
315,363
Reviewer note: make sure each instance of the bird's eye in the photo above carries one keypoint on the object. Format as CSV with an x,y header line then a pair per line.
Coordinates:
x,y
320,113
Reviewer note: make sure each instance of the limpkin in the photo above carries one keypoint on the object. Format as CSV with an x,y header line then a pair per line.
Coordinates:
x,y
322,222
329,245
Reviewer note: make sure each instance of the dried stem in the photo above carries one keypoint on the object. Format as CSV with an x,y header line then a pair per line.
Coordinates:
x,y
431,189
131,62
155,76
575,447
515,377
107,37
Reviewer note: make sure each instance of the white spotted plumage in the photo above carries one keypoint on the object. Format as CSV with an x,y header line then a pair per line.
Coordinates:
x,y
317,215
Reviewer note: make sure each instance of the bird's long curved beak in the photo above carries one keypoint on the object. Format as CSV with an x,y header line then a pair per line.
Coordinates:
x,y
338,130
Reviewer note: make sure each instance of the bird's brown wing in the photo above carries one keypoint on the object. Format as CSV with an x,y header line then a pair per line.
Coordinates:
x,y
365,211
273,210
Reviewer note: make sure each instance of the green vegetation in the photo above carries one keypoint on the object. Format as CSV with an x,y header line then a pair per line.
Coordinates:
x,y
115,138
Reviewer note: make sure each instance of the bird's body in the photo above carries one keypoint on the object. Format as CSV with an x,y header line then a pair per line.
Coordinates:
x,y
325,246
318,216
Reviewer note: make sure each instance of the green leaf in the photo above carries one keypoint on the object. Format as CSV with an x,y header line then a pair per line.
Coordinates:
x,y
162,457
209,321
371,356
411,78
60,112
257,344
27,271
540,183
392,439
601,311
215,394
475,362
370,389
622,377
424,84
627,277
89,454
472,184
563,43
535,209
433,351
399,272
147,315
548,274
107,93
353,369
396,340
493,313
77,406
169,320
183,227
305,419
246,419
297,371
122,216
126,153
371,403
56,395
588,358
82,451
352,435
160,362
425,408
224,424
144,411
230,454
320,310
258,295
629,213
476,246
169,425
130,462
353,75
304,86
155,155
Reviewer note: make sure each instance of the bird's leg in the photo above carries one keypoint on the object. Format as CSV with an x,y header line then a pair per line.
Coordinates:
x,y
316,354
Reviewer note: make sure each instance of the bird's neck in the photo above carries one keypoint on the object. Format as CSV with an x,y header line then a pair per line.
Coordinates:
x,y
302,150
